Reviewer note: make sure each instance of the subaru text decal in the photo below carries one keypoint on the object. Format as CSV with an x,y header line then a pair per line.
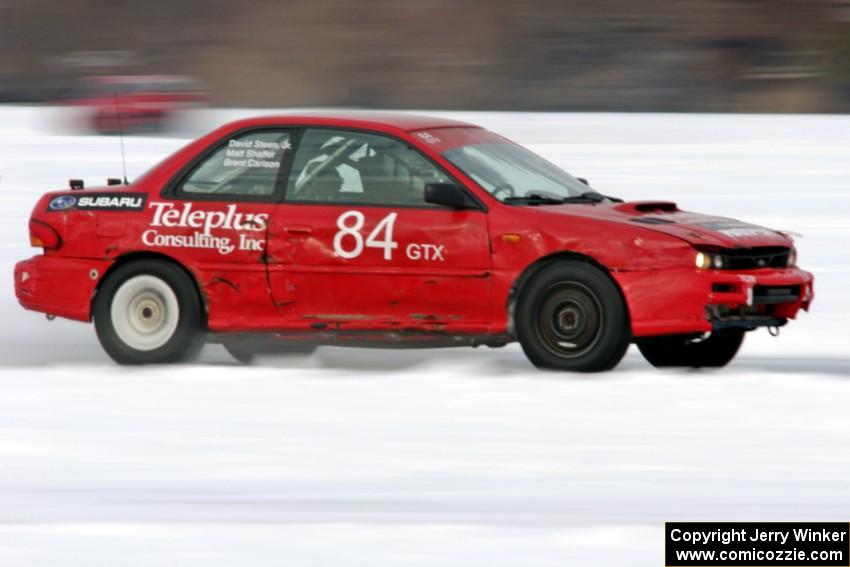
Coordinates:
x,y
99,202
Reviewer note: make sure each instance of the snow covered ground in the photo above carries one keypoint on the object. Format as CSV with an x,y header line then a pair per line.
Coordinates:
x,y
449,457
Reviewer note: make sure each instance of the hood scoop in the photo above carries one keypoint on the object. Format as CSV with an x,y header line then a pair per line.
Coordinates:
x,y
641,207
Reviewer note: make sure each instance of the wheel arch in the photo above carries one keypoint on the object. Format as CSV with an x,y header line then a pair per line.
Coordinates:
x,y
147,255
521,282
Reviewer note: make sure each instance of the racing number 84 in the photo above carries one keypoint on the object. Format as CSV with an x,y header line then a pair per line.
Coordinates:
x,y
350,223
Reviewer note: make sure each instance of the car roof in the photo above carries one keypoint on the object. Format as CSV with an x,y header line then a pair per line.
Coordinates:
x,y
354,119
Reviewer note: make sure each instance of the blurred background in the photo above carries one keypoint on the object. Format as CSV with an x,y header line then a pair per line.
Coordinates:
x,y
568,55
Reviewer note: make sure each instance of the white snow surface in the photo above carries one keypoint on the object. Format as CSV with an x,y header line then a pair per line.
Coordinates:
x,y
433,457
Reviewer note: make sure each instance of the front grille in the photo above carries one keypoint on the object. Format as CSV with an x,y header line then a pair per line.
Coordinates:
x,y
767,295
755,258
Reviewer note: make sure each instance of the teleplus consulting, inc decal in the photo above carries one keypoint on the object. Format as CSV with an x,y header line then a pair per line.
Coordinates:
x,y
167,215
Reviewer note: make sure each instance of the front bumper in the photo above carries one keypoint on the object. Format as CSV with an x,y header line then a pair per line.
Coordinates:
x,y
698,301
58,286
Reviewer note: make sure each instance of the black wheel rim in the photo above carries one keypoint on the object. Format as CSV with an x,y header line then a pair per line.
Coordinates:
x,y
569,319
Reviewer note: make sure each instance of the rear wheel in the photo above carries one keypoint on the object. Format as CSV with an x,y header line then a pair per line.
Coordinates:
x,y
148,311
718,349
571,316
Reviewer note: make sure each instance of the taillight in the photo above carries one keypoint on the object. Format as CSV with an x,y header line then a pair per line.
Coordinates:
x,y
43,236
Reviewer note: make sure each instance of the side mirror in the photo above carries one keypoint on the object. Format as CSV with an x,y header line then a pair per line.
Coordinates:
x,y
449,195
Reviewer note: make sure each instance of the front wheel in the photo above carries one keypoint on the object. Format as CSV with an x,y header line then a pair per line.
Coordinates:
x,y
571,316
717,350
148,311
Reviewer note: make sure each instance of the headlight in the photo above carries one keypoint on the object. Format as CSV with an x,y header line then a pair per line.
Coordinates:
x,y
792,257
706,260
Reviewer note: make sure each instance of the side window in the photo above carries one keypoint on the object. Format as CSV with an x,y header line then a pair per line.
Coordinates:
x,y
353,167
246,165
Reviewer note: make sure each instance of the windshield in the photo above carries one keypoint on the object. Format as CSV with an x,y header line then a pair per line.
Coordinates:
x,y
509,171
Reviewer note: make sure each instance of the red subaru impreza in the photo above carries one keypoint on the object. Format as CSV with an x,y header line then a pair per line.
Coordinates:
x,y
284,233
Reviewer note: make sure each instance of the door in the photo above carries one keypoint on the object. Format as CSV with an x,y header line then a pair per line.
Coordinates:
x,y
355,246
215,218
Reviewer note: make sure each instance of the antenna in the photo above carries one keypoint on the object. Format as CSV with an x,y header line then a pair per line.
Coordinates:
x,y
121,136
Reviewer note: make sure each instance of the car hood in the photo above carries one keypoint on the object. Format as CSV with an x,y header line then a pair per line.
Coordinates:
x,y
665,217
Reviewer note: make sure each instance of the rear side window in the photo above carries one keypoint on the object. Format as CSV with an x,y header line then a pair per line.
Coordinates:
x,y
246,165
345,166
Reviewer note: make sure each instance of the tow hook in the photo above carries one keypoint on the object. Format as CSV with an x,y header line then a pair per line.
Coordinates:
x,y
774,331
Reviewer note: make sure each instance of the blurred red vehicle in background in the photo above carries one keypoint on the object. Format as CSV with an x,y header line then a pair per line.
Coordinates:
x,y
137,103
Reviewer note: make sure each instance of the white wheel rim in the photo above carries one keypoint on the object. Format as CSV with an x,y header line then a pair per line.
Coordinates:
x,y
145,312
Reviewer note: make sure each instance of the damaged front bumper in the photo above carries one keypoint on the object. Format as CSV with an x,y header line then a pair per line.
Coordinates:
x,y
699,301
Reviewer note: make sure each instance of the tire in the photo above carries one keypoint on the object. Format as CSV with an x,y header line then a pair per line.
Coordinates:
x,y
571,316
682,350
247,353
148,312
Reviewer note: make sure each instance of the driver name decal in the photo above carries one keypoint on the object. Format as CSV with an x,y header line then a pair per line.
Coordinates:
x,y
255,153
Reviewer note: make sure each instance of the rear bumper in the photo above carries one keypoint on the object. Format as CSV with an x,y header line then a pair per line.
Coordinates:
x,y
58,286
696,301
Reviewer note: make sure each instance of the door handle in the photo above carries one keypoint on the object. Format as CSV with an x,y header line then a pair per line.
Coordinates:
x,y
298,230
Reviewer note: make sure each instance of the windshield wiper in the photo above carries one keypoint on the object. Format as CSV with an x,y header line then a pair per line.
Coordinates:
x,y
535,199
591,197
541,199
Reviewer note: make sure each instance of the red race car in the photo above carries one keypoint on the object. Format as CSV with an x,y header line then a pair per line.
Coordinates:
x,y
283,233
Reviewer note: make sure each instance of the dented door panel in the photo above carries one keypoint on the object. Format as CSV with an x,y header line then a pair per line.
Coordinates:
x,y
423,268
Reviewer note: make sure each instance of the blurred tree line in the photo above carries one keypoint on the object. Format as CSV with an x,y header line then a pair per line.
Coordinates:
x,y
652,55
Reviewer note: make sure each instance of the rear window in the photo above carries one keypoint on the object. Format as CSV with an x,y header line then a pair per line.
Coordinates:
x,y
247,165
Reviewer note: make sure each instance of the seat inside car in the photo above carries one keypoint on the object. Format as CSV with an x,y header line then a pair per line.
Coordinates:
x,y
325,185
385,180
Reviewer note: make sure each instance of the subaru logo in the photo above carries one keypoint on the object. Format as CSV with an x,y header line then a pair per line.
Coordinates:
x,y
62,203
